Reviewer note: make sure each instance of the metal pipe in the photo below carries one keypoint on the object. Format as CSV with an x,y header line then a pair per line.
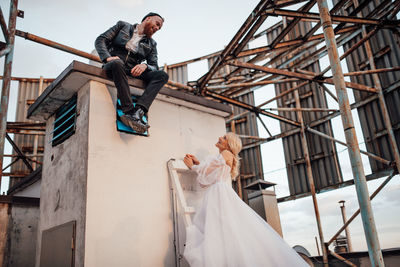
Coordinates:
x,y
250,107
4,26
346,261
232,44
56,45
371,236
5,92
36,138
303,109
33,80
358,211
372,71
316,242
250,84
355,86
375,157
343,210
5,51
335,18
310,177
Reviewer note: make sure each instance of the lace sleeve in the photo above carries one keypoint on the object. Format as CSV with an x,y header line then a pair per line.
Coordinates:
x,y
211,170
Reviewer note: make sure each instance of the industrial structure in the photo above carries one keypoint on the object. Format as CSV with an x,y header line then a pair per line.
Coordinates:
x,y
291,62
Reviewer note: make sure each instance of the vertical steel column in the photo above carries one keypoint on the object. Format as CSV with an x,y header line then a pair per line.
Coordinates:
x,y
343,210
5,92
310,177
375,253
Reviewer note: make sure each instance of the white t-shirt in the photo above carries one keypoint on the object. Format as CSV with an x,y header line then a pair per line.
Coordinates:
x,y
133,43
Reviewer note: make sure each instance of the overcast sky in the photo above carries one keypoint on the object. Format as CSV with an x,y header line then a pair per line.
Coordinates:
x,y
193,29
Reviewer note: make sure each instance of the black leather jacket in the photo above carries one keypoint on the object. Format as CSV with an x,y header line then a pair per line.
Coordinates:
x,y
113,41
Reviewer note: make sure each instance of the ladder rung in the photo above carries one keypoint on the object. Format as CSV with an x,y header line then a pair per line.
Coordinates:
x,y
190,210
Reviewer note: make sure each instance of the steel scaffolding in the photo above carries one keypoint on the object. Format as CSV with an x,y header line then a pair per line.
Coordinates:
x,y
293,47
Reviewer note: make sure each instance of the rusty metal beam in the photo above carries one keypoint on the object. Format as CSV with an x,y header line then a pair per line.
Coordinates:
x,y
292,24
19,152
323,119
272,99
371,155
251,84
310,177
33,80
375,253
56,45
358,211
5,92
233,43
381,100
372,71
4,27
344,260
300,76
359,8
249,107
303,109
335,18
5,51
249,35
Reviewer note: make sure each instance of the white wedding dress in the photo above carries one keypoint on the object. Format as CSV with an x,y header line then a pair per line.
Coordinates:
x,y
226,232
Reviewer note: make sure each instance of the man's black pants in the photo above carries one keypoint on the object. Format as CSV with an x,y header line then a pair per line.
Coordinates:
x,y
154,80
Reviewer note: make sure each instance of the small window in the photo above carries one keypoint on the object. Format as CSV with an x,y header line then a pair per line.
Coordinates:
x,y
65,122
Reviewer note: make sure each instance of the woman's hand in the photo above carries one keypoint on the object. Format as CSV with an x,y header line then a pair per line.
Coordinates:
x,y
188,161
194,159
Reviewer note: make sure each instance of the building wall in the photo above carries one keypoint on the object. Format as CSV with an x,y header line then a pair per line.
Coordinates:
x,y
4,219
63,185
128,213
32,190
22,236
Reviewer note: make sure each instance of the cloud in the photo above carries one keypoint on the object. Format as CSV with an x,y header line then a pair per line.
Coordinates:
x,y
129,3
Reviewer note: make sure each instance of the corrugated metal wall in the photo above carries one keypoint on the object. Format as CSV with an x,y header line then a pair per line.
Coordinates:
x,y
386,54
178,74
27,93
323,154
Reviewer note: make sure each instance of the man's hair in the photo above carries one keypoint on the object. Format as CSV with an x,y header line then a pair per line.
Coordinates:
x,y
151,14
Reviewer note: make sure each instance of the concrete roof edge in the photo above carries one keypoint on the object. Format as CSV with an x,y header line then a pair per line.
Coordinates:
x,y
84,68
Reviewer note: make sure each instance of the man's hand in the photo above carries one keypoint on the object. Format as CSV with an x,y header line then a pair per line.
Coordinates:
x,y
138,69
111,58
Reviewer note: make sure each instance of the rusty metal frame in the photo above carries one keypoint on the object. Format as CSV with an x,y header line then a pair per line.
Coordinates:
x,y
259,73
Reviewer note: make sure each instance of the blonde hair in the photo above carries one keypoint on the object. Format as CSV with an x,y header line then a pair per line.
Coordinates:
x,y
235,145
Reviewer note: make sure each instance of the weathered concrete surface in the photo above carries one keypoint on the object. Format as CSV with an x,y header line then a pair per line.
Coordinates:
x,y
22,236
4,219
129,219
63,186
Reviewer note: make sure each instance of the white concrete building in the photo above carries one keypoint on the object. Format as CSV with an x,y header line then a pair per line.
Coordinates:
x,y
106,190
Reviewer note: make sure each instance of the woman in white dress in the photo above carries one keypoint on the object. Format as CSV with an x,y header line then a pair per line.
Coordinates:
x,y
225,231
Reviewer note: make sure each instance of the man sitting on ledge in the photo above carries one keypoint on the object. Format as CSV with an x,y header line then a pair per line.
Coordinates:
x,y
123,48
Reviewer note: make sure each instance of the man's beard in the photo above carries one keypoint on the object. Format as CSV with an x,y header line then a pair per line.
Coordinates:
x,y
147,30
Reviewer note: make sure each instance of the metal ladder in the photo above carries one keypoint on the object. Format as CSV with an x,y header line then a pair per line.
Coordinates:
x,y
173,167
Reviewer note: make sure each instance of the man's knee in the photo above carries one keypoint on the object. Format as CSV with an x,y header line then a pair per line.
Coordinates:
x,y
161,76
116,64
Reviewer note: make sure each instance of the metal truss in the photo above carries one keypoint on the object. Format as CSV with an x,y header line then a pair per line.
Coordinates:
x,y
283,61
